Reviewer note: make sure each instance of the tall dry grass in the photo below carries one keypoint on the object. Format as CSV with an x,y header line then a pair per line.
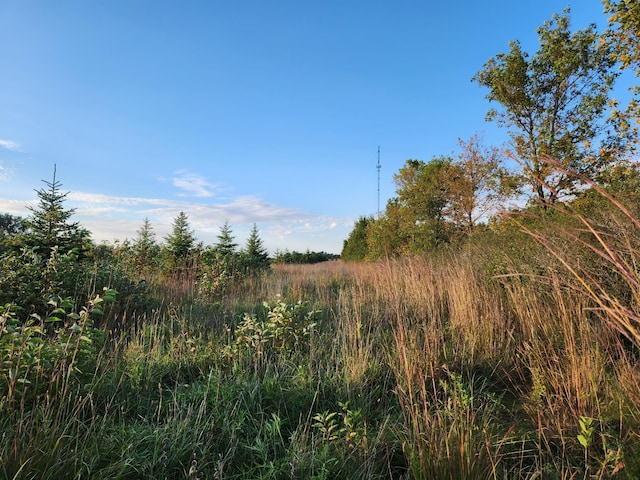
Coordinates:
x,y
495,372
492,373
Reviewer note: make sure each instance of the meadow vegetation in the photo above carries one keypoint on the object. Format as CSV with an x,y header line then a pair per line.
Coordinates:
x,y
512,356
463,343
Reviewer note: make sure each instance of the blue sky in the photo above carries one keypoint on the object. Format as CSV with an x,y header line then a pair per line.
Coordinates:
x,y
243,111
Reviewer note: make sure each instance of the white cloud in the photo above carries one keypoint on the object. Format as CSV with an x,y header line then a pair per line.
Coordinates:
x,y
192,183
98,210
108,199
9,145
15,207
240,210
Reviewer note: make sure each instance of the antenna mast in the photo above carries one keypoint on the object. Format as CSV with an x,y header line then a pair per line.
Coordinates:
x,y
378,166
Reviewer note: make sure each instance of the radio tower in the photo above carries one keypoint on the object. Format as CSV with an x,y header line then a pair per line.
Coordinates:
x,y
378,167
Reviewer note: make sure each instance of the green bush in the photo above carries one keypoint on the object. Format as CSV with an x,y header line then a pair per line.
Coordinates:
x,y
55,350
287,328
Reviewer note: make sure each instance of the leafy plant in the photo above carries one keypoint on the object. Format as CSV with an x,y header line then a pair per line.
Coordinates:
x,y
585,437
345,426
287,328
52,350
327,425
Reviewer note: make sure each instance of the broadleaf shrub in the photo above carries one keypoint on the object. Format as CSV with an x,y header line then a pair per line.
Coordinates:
x,y
59,349
287,328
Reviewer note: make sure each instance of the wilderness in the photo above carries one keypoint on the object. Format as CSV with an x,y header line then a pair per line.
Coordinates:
x,y
484,325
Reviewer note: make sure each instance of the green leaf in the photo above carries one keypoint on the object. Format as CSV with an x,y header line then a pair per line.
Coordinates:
x,y
583,441
585,423
67,303
53,320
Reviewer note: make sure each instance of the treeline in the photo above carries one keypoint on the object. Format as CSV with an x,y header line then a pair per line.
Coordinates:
x,y
307,257
567,134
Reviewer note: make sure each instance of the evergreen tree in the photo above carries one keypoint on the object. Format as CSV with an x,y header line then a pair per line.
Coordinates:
x,y
180,243
256,253
226,246
49,225
48,259
145,246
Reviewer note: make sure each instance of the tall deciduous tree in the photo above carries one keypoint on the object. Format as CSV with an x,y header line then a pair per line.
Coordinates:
x,y
415,221
355,247
422,192
477,184
11,224
625,31
386,235
422,187
624,34
554,104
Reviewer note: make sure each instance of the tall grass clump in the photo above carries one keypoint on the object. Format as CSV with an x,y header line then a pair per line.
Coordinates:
x,y
582,354
444,369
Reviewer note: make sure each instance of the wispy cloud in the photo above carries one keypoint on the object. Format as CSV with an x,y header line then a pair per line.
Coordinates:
x,y
243,209
16,207
109,199
9,145
197,185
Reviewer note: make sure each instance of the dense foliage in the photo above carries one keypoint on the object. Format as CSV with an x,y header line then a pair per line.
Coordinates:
x,y
307,257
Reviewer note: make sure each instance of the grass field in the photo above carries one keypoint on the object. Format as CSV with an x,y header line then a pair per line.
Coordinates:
x,y
470,365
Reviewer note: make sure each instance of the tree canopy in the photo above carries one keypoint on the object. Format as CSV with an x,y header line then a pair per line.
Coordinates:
x,y
355,247
554,104
624,37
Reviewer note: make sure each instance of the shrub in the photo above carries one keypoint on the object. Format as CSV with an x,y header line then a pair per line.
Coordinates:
x,y
54,350
287,328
